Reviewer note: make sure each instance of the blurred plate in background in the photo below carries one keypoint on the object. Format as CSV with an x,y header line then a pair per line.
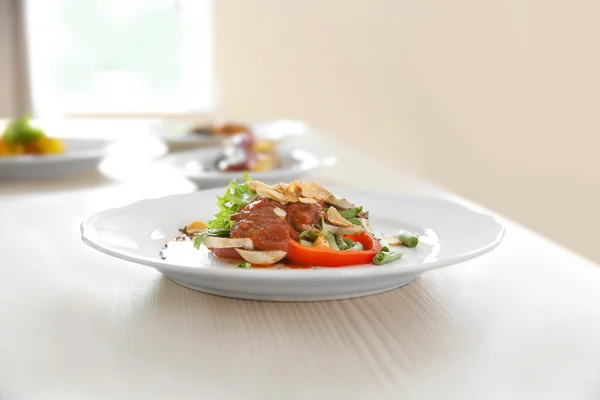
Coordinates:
x,y
81,155
199,166
177,135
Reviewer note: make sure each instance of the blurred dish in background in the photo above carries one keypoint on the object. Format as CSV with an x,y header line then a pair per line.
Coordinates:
x,y
26,152
185,135
228,128
242,152
80,155
285,162
21,137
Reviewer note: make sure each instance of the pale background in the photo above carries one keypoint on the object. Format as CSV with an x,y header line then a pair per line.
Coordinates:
x,y
495,100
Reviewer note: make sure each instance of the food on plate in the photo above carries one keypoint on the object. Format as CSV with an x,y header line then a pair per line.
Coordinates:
x,y
242,150
228,128
22,138
298,222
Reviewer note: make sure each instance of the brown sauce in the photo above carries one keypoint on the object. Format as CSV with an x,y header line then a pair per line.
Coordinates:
x,y
268,231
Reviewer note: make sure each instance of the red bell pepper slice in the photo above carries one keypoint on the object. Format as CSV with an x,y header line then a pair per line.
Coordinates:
x,y
323,256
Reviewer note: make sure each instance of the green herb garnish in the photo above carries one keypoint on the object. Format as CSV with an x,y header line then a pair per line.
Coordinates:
x,y
408,239
349,243
384,257
351,212
244,264
354,220
308,234
341,243
384,245
235,197
330,239
351,215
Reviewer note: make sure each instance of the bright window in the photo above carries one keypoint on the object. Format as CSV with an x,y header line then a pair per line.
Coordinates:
x,y
120,56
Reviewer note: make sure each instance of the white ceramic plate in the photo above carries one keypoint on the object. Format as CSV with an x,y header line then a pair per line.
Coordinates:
x,y
450,233
177,137
81,155
199,166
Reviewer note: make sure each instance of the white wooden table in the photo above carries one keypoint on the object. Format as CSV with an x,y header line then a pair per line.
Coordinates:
x,y
520,322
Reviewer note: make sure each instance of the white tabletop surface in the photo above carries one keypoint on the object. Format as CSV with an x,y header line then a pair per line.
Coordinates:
x,y
520,322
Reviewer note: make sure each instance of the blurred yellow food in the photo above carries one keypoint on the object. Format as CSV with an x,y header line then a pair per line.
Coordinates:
x,y
266,162
11,150
267,157
21,136
264,146
42,145
46,145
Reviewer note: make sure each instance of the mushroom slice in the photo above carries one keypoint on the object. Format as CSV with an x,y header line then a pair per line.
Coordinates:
x,y
224,243
340,230
342,204
264,257
310,228
334,216
363,214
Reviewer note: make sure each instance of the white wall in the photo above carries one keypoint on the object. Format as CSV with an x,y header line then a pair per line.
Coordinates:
x,y
497,99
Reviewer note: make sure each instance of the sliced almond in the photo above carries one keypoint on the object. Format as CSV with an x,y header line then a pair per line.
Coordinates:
x,y
280,187
291,192
306,189
306,200
334,216
321,192
264,190
224,243
280,212
262,257
393,241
